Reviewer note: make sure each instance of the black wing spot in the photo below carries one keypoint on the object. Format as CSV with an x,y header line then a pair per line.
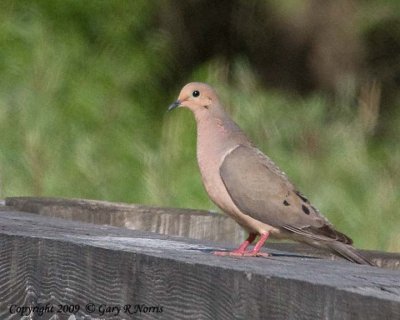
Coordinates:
x,y
305,209
301,197
286,203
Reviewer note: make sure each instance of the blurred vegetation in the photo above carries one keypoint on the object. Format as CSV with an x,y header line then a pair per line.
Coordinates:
x,y
85,85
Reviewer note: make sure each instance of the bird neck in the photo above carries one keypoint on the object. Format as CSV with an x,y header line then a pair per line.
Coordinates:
x,y
217,133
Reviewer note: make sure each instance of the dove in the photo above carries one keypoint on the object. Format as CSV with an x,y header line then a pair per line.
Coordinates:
x,y
249,187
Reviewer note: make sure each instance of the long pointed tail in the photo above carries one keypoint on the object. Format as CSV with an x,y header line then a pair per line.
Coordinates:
x,y
349,252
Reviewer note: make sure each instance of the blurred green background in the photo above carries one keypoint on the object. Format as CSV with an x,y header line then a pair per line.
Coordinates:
x,y
85,85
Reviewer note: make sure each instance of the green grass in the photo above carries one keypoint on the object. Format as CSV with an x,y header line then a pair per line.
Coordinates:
x,y
81,116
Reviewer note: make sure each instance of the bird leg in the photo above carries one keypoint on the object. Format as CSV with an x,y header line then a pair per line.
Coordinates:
x,y
242,248
241,251
256,250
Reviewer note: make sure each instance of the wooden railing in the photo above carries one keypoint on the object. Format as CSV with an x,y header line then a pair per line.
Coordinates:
x,y
51,258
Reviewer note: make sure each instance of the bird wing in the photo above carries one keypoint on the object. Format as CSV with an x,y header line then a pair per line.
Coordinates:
x,y
262,191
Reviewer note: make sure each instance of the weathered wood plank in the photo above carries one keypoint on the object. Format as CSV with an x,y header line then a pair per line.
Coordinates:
x,y
50,260
196,224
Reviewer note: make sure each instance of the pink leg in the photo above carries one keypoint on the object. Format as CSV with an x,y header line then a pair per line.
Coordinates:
x,y
242,248
256,250
239,251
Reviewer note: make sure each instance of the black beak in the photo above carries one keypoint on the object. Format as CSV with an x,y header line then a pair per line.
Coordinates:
x,y
176,104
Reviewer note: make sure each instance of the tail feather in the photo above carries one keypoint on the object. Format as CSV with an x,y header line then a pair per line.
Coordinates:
x,y
349,252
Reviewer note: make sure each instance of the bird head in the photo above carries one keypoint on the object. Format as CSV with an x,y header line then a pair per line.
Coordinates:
x,y
196,96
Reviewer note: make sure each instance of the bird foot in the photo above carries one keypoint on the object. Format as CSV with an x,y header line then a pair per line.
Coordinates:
x,y
240,254
256,254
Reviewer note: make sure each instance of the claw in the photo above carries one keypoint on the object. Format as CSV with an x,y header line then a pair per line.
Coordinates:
x,y
241,251
240,254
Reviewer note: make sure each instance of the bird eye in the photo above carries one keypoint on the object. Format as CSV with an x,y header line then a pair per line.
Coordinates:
x,y
195,93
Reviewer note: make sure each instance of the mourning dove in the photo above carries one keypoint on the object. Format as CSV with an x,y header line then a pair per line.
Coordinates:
x,y
245,183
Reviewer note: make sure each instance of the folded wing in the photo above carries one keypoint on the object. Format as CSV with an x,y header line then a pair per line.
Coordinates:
x,y
259,189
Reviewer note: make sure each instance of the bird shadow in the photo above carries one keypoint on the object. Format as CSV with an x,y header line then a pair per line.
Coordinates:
x,y
270,253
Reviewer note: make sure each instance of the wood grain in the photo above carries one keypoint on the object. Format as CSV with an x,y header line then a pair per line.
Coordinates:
x,y
196,224
51,260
